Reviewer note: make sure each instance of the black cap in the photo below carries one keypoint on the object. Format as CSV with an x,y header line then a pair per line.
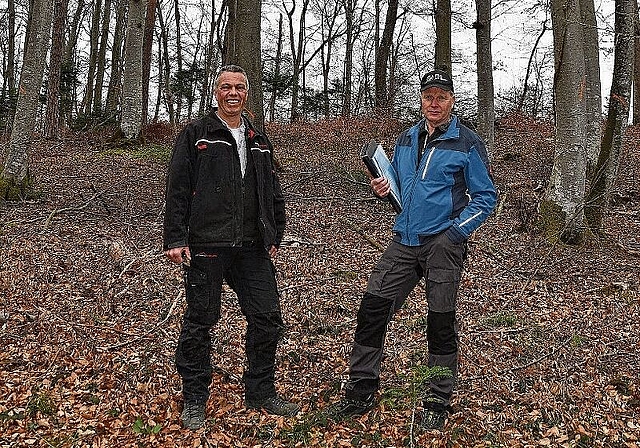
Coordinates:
x,y
437,78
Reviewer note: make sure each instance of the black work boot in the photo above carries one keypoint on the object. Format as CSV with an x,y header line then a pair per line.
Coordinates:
x,y
275,405
349,407
435,413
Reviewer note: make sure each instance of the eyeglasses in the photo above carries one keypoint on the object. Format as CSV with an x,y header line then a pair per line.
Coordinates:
x,y
440,99
226,88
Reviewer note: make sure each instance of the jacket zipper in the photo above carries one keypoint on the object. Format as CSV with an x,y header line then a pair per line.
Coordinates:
x,y
426,165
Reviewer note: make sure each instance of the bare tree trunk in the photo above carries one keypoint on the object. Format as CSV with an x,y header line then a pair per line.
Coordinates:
x,y
98,107
114,91
87,102
146,56
165,85
349,12
10,75
14,176
276,72
297,53
619,101
11,50
52,120
383,50
68,88
443,34
244,31
178,97
636,66
593,86
563,208
131,123
525,85
486,110
328,12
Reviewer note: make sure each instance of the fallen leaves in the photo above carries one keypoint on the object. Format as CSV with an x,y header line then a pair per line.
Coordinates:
x,y
90,310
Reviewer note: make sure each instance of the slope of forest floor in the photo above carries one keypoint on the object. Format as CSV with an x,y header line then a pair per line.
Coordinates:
x,y
90,310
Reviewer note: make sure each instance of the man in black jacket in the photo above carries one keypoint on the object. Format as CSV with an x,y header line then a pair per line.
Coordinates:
x,y
224,220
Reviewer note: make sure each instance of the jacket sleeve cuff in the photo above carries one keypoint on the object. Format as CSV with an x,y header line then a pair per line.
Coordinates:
x,y
455,236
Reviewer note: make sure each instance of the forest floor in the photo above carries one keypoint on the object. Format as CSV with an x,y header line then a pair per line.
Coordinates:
x,y
90,309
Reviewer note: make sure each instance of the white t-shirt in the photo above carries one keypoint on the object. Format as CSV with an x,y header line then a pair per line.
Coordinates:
x,y
241,143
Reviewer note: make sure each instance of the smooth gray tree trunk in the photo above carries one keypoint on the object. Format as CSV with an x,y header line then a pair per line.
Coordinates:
x,y
131,123
16,163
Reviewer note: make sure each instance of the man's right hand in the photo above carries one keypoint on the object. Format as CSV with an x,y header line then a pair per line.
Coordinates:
x,y
380,186
178,254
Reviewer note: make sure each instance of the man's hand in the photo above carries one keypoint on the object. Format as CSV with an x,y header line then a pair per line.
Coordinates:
x,y
178,254
380,186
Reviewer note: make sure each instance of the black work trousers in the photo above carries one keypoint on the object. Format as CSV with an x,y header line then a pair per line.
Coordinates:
x,y
251,274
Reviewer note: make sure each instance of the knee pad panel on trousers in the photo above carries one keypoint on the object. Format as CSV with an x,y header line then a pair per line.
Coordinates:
x,y
373,316
442,334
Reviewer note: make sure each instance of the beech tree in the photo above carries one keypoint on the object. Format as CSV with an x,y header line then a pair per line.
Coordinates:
x,y
563,207
131,121
443,33
486,111
14,179
606,169
52,119
383,51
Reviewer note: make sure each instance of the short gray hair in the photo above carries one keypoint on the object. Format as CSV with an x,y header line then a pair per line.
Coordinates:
x,y
233,69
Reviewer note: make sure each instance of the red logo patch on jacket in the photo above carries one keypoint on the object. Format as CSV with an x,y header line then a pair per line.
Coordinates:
x,y
202,146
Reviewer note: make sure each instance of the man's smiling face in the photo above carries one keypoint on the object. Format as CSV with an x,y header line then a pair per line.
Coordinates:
x,y
231,94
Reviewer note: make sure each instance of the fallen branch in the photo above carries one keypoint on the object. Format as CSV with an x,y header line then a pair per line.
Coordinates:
x,y
144,335
70,209
356,228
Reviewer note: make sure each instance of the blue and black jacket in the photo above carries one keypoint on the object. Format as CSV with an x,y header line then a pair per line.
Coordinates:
x,y
450,189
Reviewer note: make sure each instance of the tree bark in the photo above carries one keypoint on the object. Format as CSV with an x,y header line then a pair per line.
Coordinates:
x,y
443,34
593,86
114,91
98,107
87,102
15,170
245,47
165,84
606,169
276,71
52,119
349,12
486,109
636,66
563,208
147,47
131,123
383,50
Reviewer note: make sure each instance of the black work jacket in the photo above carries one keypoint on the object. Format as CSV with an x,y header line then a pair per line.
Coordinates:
x,y
205,187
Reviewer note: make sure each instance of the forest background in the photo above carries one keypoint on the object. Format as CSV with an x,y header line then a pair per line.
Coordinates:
x,y
91,101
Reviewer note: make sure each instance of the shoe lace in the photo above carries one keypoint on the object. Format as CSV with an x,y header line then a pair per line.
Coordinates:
x,y
279,402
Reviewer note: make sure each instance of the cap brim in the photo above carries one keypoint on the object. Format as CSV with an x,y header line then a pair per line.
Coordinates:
x,y
438,85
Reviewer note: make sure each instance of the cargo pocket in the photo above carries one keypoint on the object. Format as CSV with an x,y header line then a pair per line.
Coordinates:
x,y
200,294
442,289
378,274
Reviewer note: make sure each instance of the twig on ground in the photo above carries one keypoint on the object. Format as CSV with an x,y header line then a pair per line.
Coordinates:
x,y
70,209
362,233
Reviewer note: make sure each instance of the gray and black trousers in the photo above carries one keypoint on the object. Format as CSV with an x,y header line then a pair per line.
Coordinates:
x,y
396,274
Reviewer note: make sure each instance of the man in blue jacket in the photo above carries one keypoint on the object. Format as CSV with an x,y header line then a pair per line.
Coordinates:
x,y
446,193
